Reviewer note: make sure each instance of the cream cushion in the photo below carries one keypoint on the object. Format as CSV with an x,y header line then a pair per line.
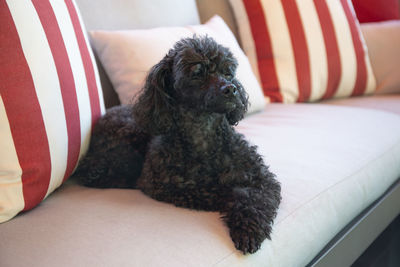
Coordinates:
x,y
332,163
127,56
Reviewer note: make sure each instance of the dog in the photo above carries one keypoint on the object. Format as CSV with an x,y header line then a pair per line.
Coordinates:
x,y
178,143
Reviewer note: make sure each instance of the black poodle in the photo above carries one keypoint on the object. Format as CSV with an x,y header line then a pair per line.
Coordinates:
x,y
177,143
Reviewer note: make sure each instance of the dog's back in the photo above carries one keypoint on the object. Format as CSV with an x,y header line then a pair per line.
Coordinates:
x,y
116,151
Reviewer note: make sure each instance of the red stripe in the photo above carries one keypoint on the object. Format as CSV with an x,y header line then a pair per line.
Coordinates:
x,y
300,49
361,80
262,41
331,46
66,79
87,63
24,114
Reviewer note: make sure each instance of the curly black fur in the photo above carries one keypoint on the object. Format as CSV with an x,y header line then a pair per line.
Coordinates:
x,y
177,143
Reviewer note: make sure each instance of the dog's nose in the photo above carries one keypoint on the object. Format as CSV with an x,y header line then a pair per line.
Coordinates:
x,y
229,90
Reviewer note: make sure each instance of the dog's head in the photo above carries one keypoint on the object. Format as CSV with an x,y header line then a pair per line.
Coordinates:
x,y
197,74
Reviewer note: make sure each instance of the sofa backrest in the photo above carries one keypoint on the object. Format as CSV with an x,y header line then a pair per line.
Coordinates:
x,y
142,14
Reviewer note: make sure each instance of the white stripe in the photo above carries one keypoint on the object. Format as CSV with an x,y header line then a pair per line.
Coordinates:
x,y
98,83
246,35
346,49
11,195
78,71
40,60
282,49
316,48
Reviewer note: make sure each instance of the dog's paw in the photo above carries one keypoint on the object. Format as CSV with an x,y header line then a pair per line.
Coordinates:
x,y
247,240
248,234
249,219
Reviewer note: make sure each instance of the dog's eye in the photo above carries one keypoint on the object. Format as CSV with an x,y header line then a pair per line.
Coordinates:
x,y
196,69
228,76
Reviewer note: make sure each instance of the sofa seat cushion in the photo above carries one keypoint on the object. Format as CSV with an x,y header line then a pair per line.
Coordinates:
x,y
389,103
332,162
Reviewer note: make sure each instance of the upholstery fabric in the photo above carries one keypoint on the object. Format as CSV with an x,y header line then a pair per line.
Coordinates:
x,y
127,56
50,97
137,14
330,170
373,11
304,50
384,102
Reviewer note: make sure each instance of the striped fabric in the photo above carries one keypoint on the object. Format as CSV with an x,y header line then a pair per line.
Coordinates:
x,y
50,96
304,50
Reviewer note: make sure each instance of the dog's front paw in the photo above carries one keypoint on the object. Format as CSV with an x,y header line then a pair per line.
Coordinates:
x,y
249,220
247,240
248,229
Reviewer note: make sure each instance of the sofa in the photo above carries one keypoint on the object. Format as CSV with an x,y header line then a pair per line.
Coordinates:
x,y
338,162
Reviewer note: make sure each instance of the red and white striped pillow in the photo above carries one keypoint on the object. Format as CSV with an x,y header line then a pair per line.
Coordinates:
x,y
50,96
304,50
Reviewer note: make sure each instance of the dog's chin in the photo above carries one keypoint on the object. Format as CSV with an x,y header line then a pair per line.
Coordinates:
x,y
230,106
224,108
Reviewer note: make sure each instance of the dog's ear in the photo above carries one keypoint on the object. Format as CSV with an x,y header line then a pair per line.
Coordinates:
x,y
153,110
236,115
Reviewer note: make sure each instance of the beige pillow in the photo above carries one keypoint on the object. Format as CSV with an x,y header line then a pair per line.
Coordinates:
x,y
128,55
383,41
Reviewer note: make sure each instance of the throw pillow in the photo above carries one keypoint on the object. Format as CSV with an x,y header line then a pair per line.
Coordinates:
x,y
304,50
128,55
50,96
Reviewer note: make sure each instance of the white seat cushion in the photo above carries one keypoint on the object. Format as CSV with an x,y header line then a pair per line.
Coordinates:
x,y
332,162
